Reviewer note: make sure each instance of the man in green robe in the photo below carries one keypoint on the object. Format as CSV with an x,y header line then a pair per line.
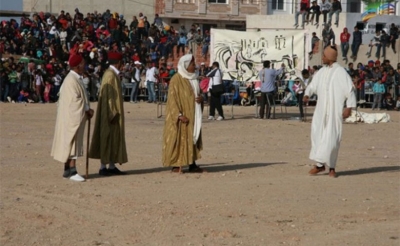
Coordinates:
x,y
182,141
108,141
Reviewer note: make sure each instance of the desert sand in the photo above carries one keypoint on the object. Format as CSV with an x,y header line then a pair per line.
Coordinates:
x,y
257,191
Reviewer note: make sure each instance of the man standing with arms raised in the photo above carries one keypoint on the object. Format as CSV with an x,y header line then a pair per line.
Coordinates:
x,y
334,87
72,113
108,141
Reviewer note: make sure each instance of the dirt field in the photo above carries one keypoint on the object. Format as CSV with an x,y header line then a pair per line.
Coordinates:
x,y
257,191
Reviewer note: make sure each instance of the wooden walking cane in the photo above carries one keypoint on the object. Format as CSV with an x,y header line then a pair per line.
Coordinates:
x,y
87,150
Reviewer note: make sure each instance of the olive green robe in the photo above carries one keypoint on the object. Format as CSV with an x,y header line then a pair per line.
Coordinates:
x,y
108,140
178,147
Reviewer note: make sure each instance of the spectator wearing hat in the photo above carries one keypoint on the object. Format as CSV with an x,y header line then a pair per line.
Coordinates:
x,y
72,112
136,72
108,141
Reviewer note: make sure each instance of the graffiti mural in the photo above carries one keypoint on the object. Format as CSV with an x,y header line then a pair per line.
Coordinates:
x,y
241,54
373,9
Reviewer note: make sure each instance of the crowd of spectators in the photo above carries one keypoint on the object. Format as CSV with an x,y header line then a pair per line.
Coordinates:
x,y
47,41
377,84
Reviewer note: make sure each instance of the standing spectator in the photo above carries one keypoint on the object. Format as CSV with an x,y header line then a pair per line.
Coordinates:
x,y
47,91
182,42
134,23
350,69
14,82
334,87
57,84
141,27
325,9
108,140
158,22
72,112
182,141
267,77
39,85
315,11
344,43
299,91
215,76
136,71
385,41
151,80
394,35
335,9
357,41
206,44
304,8
379,90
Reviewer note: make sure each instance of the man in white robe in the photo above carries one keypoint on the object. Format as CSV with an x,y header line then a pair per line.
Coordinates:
x,y
334,87
72,112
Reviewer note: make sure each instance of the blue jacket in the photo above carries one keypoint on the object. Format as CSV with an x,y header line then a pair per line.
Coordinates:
x,y
378,88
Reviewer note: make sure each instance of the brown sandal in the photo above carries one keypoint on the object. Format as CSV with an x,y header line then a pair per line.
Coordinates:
x,y
316,170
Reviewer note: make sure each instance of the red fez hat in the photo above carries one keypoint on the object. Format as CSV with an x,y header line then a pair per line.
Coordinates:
x,y
116,56
74,60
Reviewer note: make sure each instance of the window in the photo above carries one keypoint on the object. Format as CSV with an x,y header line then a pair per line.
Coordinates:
x,y
354,6
185,1
250,1
277,4
218,1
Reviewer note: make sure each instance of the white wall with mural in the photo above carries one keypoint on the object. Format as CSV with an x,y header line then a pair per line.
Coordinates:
x,y
241,54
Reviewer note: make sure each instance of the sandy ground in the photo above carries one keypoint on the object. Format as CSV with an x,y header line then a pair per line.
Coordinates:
x,y
257,191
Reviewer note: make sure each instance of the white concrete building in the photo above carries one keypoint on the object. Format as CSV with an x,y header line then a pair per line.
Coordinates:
x,y
127,8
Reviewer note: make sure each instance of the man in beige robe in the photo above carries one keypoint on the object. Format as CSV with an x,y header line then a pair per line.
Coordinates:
x,y
72,113
182,141
108,141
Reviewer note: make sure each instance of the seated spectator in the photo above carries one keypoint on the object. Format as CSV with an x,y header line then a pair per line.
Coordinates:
x,y
344,43
315,10
388,102
375,41
335,9
397,104
325,8
328,36
288,99
23,95
304,8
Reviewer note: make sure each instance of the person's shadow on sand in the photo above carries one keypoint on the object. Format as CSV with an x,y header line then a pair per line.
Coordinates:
x,y
211,168
369,170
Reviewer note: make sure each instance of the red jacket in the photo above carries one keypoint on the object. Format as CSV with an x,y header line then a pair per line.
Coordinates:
x,y
345,36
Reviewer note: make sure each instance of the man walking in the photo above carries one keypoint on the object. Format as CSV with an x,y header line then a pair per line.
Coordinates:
x,y
72,112
334,87
267,77
108,141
